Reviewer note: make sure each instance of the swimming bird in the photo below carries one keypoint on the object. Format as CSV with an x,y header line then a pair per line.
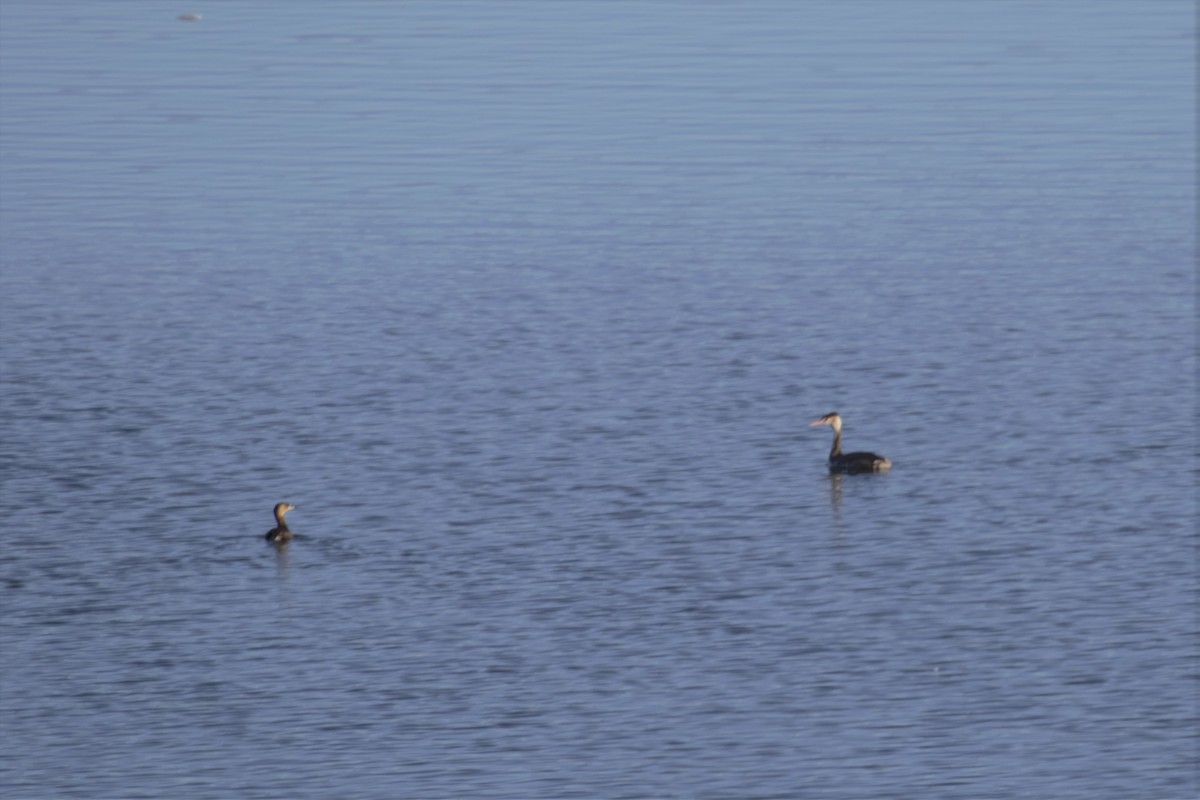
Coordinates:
x,y
280,532
849,463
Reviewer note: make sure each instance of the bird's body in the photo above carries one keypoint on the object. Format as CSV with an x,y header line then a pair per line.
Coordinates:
x,y
849,463
280,532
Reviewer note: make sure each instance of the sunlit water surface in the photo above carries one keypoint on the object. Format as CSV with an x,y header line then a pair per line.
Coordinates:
x,y
526,306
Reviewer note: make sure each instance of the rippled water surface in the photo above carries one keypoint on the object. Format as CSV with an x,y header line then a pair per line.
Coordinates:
x,y
526,306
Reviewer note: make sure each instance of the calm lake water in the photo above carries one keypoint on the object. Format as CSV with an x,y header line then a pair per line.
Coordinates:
x,y
526,306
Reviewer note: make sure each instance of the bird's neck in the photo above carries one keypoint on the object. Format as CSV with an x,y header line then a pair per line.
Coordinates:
x,y
837,444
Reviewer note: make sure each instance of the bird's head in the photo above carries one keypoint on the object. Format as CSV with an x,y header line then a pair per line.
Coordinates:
x,y
831,419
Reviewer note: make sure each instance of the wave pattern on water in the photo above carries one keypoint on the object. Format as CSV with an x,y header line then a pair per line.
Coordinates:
x,y
526,307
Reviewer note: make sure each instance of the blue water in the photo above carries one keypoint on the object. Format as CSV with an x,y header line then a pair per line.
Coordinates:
x,y
526,307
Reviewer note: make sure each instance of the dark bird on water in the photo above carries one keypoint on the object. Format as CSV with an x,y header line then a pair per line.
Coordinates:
x,y
849,463
280,532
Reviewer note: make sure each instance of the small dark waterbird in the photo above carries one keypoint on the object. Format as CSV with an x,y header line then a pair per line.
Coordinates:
x,y
849,463
280,532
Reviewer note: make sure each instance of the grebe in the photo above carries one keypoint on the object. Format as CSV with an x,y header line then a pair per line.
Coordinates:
x,y
280,532
849,463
